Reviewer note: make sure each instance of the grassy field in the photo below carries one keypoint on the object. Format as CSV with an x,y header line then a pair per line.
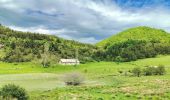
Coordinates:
x,y
103,81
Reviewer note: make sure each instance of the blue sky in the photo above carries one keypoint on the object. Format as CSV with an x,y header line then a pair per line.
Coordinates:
x,y
86,21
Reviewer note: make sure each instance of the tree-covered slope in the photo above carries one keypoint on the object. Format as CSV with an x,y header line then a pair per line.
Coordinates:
x,y
26,46
137,33
135,43
132,44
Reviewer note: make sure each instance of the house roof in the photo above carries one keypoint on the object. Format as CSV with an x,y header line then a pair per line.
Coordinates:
x,y
69,60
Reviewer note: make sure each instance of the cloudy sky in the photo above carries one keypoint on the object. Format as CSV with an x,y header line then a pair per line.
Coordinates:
x,y
86,21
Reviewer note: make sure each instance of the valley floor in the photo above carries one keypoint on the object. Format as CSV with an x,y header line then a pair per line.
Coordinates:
x,y
103,81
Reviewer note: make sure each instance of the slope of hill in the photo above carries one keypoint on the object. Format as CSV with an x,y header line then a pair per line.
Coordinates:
x,y
132,44
137,33
26,46
135,43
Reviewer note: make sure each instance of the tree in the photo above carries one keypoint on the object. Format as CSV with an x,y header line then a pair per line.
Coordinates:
x,y
118,59
136,71
45,56
76,56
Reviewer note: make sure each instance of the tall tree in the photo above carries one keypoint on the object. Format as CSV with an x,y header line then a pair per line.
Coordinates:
x,y
45,55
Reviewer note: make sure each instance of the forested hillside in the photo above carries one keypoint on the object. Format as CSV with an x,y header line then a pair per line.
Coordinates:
x,y
25,46
129,45
137,33
135,43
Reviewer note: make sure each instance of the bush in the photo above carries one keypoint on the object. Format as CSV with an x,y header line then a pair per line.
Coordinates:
x,y
11,91
160,70
136,71
73,79
157,70
118,59
87,59
148,71
46,64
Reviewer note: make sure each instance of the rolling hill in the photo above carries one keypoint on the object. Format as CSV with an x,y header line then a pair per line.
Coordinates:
x,y
135,43
137,33
26,46
132,44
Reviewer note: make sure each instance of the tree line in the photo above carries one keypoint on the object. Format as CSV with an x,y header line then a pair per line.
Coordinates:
x,y
24,47
132,50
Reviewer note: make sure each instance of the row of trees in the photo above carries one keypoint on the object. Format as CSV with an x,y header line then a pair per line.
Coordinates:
x,y
131,50
149,71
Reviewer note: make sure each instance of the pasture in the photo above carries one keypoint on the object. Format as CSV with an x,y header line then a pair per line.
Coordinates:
x,y
103,80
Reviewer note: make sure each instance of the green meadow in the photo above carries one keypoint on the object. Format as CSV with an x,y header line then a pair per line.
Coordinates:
x,y
102,80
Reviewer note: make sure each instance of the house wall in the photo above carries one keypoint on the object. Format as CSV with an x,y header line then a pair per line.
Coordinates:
x,y
69,63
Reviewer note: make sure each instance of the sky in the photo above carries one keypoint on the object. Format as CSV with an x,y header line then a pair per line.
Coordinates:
x,y
87,21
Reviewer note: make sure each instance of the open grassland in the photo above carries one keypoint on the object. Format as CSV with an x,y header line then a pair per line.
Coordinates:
x,y
103,81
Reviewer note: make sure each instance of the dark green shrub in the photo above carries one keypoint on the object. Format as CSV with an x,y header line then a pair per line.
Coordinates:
x,y
87,59
73,79
156,70
118,59
148,71
46,64
11,91
120,71
160,70
136,71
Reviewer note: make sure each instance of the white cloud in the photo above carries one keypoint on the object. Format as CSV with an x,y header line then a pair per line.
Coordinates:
x,y
39,29
88,40
60,33
82,20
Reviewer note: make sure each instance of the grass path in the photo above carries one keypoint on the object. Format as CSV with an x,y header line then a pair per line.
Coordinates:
x,y
32,82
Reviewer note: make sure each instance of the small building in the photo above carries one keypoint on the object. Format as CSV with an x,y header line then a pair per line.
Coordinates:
x,y
69,62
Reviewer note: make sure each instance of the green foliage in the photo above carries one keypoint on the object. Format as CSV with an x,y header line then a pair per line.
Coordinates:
x,y
136,71
132,50
11,91
137,33
129,45
24,47
149,70
160,70
45,56
118,59
156,70
16,56
135,43
45,64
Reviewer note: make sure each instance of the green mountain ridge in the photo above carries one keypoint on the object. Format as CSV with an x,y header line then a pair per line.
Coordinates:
x,y
25,46
132,44
137,33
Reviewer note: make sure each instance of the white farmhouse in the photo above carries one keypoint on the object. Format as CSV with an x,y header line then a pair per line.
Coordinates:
x,y
69,62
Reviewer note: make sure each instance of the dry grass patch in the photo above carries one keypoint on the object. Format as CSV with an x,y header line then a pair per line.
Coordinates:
x,y
147,87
